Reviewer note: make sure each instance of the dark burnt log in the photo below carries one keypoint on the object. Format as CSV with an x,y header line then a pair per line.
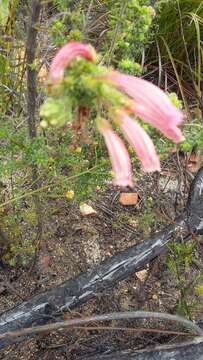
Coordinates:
x,y
192,350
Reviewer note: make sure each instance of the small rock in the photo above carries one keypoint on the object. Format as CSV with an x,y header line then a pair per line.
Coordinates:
x,y
130,198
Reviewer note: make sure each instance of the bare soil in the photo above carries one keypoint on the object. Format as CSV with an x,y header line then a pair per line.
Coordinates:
x,y
73,243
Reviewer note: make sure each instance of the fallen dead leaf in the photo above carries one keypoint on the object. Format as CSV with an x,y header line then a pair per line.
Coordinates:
x,y
142,275
194,161
43,73
128,198
87,210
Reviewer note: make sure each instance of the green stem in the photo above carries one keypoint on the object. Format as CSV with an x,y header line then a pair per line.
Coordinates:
x,y
33,192
115,34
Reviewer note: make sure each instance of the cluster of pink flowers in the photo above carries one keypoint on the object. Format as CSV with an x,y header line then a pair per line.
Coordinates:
x,y
146,101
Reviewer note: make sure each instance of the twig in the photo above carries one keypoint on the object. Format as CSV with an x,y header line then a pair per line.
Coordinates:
x,y
106,317
130,329
31,46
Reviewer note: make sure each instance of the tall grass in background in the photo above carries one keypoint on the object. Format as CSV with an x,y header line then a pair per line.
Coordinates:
x,y
11,56
178,34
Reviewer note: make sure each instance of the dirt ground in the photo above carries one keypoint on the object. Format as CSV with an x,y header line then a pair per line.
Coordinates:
x,y
75,243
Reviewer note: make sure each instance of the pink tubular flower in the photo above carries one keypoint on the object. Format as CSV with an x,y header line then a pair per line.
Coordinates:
x,y
150,103
118,154
65,55
140,141
144,100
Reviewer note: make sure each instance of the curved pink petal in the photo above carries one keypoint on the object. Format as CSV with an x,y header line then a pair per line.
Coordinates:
x,y
151,104
118,154
65,55
141,143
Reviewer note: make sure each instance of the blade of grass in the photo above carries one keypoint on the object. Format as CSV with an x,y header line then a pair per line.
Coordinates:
x,y
195,19
159,62
177,77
